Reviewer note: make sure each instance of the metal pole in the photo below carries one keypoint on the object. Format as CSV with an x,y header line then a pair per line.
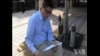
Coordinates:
x,y
60,27
72,37
65,28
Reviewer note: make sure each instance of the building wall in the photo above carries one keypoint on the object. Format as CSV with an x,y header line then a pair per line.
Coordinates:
x,y
36,4
29,4
80,3
17,7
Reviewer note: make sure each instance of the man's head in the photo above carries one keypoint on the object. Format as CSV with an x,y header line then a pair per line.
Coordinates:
x,y
46,8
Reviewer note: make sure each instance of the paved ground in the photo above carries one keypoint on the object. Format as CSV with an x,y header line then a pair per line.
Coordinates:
x,y
77,15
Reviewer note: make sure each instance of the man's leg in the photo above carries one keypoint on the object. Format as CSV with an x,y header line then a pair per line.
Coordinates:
x,y
43,46
58,50
27,52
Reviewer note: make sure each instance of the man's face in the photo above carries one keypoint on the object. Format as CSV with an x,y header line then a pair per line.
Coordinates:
x,y
48,11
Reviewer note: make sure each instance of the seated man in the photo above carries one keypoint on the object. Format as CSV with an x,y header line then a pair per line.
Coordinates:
x,y
39,32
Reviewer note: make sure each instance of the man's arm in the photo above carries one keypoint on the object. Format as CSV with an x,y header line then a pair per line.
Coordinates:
x,y
30,35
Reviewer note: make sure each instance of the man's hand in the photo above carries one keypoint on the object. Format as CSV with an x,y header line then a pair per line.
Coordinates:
x,y
37,53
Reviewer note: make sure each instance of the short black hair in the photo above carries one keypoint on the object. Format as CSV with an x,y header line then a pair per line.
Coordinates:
x,y
47,3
